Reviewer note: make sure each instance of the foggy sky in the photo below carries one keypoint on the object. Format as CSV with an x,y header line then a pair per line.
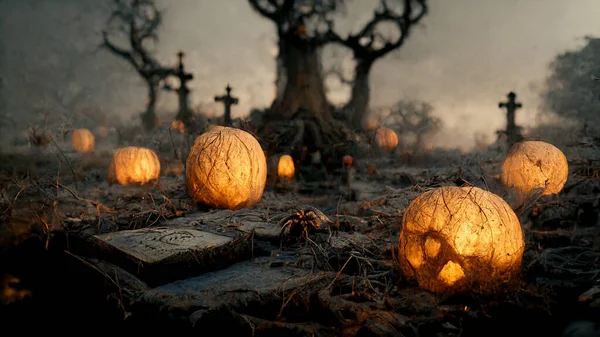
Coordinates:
x,y
466,56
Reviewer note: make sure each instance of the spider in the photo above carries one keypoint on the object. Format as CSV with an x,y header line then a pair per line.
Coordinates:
x,y
304,220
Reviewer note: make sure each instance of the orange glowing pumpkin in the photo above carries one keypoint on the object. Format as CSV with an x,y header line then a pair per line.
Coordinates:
x,y
226,169
178,126
83,140
386,139
453,238
133,165
370,124
533,166
285,167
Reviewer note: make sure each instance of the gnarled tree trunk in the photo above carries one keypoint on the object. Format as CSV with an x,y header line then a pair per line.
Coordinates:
x,y
304,86
357,107
149,119
303,101
280,73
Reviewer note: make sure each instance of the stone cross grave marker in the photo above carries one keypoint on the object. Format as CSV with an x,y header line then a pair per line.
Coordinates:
x,y
228,101
511,106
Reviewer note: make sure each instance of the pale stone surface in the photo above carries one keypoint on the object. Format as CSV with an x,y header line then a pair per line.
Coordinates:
x,y
252,276
152,245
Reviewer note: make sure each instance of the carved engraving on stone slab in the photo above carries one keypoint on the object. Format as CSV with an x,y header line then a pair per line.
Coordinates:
x,y
152,245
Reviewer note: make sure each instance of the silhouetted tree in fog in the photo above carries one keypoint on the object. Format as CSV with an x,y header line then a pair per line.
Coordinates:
x,y
369,45
298,58
570,90
137,21
413,117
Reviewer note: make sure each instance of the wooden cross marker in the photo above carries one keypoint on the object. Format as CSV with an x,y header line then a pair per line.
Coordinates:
x,y
228,101
511,106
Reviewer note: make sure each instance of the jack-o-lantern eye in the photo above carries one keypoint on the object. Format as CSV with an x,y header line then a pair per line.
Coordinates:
x,y
83,140
453,237
535,167
133,165
386,139
226,168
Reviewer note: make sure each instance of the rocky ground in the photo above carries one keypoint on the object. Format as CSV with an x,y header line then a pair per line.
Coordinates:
x,y
142,257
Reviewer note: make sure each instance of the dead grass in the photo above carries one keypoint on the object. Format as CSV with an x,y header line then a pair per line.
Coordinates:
x,y
363,285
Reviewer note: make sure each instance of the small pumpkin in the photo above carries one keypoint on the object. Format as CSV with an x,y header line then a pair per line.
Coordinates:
x,y
371,123
133,165
532,166
285,167
83,140
178,125
453,238
386,139
226,169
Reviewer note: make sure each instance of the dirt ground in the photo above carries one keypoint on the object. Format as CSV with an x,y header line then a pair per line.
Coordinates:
x,y
56,202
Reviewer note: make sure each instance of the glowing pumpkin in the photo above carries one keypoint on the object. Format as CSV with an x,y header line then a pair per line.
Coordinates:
x,y
453,238
535,166
83,140
133,165
370,124
386,139
226,168
285,167
178,126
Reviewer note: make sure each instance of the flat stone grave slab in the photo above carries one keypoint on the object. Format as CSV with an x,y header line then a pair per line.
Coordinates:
x,y
248,283
163,254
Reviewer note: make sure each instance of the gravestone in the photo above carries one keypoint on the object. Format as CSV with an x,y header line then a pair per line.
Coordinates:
x,y
228,101
512,130
163,254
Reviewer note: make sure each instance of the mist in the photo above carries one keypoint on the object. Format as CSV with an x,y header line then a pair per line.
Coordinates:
x,y
464,59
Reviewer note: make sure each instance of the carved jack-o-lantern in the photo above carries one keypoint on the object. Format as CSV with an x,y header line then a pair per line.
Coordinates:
x,y
133,165
386,139
532,166
83,140
226,168
454,237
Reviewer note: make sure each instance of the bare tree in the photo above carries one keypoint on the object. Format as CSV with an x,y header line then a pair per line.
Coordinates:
x,y
302,27
369,45
570,91
137,22
413,117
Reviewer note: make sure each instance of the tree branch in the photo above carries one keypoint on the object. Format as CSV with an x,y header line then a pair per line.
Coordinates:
x,y
338,73
404,22
273,14
139,20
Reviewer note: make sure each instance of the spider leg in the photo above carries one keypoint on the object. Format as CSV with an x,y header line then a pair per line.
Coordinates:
x,y
286,227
